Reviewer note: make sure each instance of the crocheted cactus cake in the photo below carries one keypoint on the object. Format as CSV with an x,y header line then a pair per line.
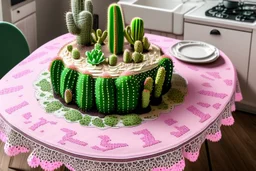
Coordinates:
x,y
113,71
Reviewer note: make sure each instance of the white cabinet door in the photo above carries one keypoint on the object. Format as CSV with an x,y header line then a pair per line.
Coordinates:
x,y
28,28
235,44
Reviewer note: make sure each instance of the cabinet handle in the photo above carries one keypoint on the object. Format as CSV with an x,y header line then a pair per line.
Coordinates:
x,y
18,11
215,32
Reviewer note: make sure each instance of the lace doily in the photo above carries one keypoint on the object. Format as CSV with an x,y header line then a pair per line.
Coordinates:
x,y
44,94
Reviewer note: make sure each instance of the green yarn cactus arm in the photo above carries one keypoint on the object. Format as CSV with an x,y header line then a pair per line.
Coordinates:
x,y
94,36
159,81
127,34
145,98
85,21
68,80
72,28
88,6
103,37
115,29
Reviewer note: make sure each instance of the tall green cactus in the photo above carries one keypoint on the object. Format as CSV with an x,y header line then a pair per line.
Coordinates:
x,y
159,81
167,63
80,20
128,90
105,94
85,92
56,68
135,31
115,29
68,80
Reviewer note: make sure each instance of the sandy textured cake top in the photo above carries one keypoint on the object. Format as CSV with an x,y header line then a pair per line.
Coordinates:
x,y
151,59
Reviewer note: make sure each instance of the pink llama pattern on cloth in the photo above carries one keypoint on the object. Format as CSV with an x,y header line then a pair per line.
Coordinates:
x,y
69,138
10,90
27,116
27,122
42,122
33,57
22,73
213,94
45,61
170,122
105,142
147,138
206,77
193,68
228,82
214,75
202,104
181,131
16,107
206,85
203,117
216,105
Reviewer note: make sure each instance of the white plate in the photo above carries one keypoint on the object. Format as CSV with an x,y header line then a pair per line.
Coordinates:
x,y
195,50
211,58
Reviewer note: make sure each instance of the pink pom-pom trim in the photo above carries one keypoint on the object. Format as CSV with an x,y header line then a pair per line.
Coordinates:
x,y
86,72
73,67
126,73
105,75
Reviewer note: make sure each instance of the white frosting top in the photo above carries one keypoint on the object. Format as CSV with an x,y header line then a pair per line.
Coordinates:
x,y
150,61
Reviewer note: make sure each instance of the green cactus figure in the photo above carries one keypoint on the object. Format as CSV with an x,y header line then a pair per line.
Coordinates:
x,y
159,81
127,56
56,68
68,96
85,92
75,54
68,80
145,98
148,84
112,60
80,20
167,63
138,47
105,95
128,89
70,48
145,43
115,29
137,57
98,36
135,31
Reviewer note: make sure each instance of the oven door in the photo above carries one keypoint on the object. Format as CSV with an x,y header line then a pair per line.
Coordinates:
x,y
14,2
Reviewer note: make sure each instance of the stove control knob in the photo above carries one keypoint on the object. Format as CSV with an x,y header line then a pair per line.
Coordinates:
x,y
215,32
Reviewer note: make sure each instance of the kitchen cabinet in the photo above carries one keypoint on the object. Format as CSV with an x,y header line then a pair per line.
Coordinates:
x,y
28,28
235,44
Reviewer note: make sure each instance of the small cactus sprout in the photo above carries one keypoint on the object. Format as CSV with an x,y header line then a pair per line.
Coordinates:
x,y
127,56
145,98
95,57
112,60
75,54
97,46
68,96
70,48
138,47
146,43
137,57
98,36
159,82
148,84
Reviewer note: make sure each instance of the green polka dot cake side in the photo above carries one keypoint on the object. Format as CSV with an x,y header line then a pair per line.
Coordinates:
x,y
56,68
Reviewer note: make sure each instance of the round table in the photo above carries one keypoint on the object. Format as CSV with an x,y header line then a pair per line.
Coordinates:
x,y
161,144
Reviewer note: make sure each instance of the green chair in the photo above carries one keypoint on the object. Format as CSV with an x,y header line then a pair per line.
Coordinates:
x,y
13,47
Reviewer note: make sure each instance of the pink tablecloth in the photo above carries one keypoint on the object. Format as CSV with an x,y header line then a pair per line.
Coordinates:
x,y
161,143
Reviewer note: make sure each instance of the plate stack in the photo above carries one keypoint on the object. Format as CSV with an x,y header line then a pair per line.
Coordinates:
x,y
194,52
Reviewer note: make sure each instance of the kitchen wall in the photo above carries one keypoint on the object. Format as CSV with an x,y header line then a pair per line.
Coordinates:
x,y
1,11
100,7
51,19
